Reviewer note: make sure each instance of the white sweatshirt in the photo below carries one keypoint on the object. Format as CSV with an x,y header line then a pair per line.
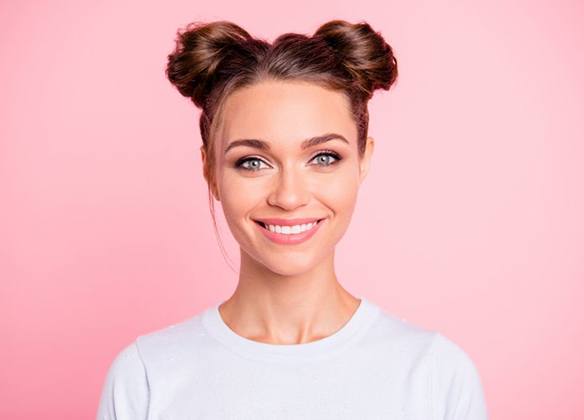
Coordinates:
x,y
375,367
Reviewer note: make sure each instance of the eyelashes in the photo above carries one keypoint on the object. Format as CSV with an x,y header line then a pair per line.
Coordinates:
x,y
239,164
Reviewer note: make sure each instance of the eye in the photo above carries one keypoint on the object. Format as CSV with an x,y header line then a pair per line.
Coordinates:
x,y
253,166
327,155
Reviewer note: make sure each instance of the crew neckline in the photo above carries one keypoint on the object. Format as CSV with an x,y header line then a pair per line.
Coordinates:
x,y
363,316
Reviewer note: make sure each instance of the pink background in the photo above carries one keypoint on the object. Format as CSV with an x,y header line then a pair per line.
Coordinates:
x,y
470,221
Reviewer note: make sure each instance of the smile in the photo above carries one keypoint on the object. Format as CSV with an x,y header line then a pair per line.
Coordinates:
x,y
289,235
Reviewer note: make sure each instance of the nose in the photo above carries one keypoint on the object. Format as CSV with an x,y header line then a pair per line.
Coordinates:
x,y
289,190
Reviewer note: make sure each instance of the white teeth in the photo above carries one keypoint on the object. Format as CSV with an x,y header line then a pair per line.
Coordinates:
x,y
289,230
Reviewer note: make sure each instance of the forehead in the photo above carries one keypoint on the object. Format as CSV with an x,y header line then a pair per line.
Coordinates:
x,y
286,111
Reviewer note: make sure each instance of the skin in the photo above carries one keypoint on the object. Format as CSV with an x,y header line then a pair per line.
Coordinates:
x,y
287,294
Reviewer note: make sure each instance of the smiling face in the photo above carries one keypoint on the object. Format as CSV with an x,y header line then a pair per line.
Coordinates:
x,y
283,174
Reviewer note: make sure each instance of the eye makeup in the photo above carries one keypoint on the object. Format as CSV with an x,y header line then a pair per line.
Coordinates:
x,y
329,153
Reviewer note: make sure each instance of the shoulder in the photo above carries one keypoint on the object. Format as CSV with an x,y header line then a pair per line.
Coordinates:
x,y
456,385
451,363
181,341
447,354
444,369
398,335
125,392
141,366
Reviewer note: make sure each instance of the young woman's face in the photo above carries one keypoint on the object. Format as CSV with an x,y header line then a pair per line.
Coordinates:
x,y
285,180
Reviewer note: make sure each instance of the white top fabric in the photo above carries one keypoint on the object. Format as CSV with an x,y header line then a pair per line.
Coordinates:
x,y
375,367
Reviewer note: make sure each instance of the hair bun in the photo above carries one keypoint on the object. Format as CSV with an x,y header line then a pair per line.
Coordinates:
x,y
364,52
200,49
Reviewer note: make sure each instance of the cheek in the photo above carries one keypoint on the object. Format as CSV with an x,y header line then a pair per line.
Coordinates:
x,y
239,194
339,191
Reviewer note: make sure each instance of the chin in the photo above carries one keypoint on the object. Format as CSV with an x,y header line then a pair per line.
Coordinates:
x,y
290,263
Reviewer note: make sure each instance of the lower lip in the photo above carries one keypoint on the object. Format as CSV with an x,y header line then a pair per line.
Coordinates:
x,y
291,239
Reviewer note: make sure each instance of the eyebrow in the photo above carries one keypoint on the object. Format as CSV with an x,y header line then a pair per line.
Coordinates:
x,y
264,145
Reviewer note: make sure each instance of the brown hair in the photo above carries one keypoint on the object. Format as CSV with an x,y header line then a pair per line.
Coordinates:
x,y
212,60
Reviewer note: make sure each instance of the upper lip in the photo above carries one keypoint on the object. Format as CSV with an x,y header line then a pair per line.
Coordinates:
x,y
288,222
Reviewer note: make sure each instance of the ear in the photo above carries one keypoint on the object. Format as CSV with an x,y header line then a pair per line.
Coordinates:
x,y
206,174
365,161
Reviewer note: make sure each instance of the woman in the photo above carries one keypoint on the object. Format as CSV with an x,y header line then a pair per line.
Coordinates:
x,y
285,149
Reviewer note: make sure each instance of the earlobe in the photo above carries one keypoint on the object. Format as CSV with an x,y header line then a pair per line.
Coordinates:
x,y
210,183
203,155
215,193
365,162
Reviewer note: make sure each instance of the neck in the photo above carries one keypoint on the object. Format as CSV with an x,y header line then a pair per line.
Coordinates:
x,y
287,308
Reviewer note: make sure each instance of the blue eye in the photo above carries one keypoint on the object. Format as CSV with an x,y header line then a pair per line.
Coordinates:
x,y
329,154
249,163
255,167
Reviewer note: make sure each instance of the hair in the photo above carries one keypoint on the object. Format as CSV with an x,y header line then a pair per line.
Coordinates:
x,y
212,60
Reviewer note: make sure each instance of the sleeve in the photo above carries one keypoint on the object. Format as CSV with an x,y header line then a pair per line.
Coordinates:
x,y
456,384
125,394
